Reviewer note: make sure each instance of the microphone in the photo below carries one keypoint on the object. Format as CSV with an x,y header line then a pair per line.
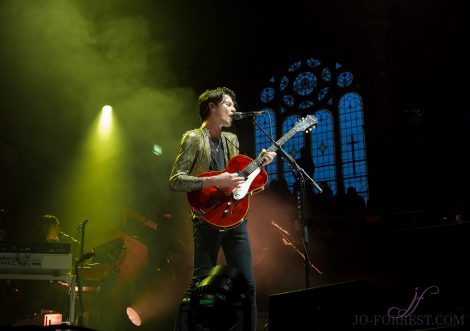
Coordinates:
x,y
82,225
239,115
86,256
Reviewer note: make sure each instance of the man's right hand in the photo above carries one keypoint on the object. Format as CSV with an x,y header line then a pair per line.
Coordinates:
x,y
225,179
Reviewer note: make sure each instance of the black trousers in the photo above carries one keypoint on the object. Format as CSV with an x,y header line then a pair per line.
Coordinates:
x,y
235,244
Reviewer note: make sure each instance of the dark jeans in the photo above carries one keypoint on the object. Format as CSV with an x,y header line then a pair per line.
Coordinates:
x,y
237,250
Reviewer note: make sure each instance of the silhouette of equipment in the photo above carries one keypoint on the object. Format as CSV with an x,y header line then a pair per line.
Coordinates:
x,y
219,302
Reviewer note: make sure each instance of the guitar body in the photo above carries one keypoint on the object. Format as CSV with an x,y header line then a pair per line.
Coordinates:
x,y
226,208
222,207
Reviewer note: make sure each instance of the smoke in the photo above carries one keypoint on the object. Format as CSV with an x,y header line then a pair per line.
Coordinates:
x,y
71,57
62,60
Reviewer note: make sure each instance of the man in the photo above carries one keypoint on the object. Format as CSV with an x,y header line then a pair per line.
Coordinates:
x,y
46,229
208,148
32,297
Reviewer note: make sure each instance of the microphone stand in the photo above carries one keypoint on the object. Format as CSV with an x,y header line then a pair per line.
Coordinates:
x,y
80,261
300,176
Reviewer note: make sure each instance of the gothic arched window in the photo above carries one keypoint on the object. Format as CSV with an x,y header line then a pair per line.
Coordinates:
x,y
354,164
323,149
292,147
267,122
337,143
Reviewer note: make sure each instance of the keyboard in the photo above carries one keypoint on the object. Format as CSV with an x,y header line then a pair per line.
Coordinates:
x,y
35,263
35,247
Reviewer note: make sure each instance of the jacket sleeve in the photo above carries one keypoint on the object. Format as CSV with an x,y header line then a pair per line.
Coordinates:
x,y
180,178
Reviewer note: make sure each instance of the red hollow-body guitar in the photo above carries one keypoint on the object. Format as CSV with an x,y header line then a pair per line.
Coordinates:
x,y
226,208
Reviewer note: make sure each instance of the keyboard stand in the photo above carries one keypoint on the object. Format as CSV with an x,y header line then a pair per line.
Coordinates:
x,y
70,279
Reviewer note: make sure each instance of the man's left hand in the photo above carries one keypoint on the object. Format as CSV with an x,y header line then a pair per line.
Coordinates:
x,y
267,156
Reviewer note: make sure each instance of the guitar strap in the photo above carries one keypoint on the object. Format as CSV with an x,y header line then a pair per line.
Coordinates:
x,y
227,142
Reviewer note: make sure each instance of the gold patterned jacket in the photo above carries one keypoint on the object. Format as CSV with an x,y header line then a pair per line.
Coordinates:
x,y
194,157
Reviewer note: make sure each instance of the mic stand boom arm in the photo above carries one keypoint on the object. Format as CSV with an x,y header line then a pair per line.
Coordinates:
x,y
319,189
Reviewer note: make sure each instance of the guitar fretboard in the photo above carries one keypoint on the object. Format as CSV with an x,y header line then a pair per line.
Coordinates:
x,y
256,163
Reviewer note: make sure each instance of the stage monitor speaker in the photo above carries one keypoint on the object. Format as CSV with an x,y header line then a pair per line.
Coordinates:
x,y
330,307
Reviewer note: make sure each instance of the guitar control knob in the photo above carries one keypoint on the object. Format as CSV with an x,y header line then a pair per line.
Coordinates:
x,y
225,211
229,204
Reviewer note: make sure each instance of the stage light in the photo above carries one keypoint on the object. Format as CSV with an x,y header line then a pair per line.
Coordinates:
x,y
105,120
220,300
157,150
134,316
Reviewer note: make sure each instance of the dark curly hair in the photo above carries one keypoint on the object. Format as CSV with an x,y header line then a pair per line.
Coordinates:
x,y
216,96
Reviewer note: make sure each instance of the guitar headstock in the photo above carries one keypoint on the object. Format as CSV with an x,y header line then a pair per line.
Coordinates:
x,y
306,123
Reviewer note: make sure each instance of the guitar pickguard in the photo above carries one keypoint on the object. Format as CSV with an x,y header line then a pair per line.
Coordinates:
x,y
241,191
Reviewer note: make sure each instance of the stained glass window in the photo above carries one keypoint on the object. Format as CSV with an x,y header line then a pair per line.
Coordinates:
x,y
268,123
345,79
292,147
353,143
317,87
305,83
267,95
323,149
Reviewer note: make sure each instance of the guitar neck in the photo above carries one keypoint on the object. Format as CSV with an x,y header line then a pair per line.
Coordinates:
x,y
256,163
